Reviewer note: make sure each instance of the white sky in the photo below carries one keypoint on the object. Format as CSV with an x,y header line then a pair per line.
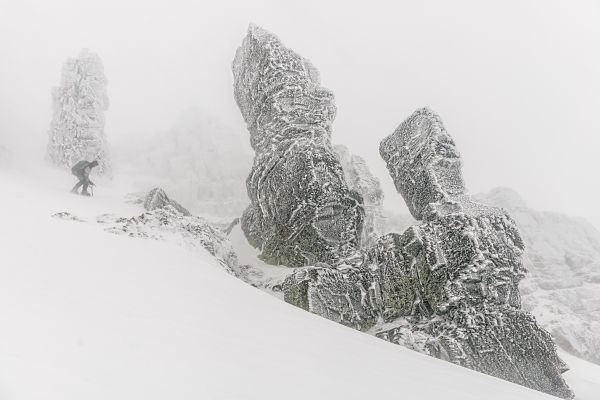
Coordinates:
x,y
516,82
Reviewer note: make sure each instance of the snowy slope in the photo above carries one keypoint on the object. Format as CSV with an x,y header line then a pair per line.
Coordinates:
x,y
91,315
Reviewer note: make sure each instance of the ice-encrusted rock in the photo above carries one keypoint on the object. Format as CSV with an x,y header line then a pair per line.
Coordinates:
x,y
447,287
562,288
301,210
67,216
360,179
170,225
424,163
77,128
157,198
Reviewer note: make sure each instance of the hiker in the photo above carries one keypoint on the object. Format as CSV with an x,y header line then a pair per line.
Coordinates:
x,y
82,171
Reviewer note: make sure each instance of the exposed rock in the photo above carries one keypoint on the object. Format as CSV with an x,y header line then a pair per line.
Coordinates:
x,y
67,216
301,210
447,287
360,179
562,288
157,198
169,224
424,163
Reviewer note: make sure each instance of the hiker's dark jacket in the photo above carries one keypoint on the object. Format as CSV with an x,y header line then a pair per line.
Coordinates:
x,y
82,170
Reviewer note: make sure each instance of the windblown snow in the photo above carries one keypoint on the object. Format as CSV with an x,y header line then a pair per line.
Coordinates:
x,y
92,315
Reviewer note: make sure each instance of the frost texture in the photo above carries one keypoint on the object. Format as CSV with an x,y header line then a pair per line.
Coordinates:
x,y
157,198
170,225
360,179
562,288
301,210
77,128
447,287
423,162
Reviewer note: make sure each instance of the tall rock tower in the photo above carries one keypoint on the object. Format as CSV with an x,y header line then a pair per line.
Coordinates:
x,y
78,104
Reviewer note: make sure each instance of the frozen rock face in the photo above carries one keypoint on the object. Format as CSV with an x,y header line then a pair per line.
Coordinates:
x,y
562,288
447,287
157,198
168,224
360,179
424,163
77,128
301,210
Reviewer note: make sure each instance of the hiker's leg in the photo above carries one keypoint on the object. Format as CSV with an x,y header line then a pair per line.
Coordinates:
x,y
77,186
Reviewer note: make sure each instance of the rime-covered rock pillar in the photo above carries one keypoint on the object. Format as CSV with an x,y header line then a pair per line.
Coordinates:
x,y
465,264
447,287
301,210
77,128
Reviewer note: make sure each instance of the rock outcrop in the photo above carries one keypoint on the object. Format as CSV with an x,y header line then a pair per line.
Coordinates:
x,y
562,288
424,164
157,198
360,179
170,225
301,210
447,287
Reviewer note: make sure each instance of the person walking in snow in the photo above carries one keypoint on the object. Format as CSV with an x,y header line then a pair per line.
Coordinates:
x,y
82,171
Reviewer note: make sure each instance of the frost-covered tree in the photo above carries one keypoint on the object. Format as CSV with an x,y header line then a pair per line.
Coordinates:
x,y
78,104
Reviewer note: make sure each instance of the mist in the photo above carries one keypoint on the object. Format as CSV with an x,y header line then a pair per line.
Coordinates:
x,y
516,83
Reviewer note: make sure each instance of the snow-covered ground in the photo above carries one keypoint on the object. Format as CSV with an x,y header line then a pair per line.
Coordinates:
x,y
91,315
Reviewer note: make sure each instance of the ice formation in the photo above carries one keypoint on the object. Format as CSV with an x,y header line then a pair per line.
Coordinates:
x,y
170,225
77,128
301,210
360,179
447,287
424,163
157,198
562,287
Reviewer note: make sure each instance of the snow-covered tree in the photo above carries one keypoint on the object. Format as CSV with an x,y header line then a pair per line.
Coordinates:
x,y
77,128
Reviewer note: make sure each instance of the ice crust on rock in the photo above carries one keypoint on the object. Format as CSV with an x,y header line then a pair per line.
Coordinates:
x,y
562,287
77,127
157,198
301,210
447,287
423,162
360,179
170,225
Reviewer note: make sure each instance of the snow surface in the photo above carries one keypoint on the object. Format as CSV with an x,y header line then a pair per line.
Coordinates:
x,y
91,315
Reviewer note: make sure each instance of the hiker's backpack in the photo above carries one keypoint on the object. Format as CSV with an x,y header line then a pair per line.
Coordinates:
x,y
78,168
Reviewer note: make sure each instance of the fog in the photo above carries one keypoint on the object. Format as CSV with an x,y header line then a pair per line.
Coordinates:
x,y
515,82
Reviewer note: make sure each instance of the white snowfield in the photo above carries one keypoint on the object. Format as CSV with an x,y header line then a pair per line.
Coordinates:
x,y
86,314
